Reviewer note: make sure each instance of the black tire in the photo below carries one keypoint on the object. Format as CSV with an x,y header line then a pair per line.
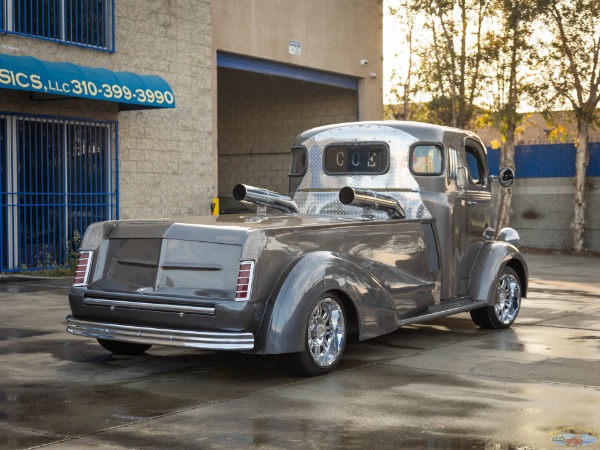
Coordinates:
x,y
325,335
123,348
507,306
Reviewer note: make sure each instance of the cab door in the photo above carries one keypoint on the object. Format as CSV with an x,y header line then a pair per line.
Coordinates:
x,y
477,196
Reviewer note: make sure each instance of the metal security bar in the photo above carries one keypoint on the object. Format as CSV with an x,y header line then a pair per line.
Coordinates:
x,y
57,176
88,23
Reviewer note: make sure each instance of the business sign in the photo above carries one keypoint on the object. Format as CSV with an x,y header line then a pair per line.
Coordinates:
x,y
25,73
294,48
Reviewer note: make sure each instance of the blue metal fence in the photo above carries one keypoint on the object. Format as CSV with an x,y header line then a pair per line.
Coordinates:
x,y
57,176
88,23
547,160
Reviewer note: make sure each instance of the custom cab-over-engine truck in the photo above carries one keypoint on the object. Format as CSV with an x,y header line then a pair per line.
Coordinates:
x,y
387,224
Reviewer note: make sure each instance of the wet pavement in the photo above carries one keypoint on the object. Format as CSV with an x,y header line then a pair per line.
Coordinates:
x,y
442,385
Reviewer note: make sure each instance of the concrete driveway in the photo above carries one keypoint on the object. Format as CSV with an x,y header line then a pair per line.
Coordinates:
x,y
443,385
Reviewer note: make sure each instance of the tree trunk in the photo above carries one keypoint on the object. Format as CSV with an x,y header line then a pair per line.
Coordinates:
x,y
582,160
507,159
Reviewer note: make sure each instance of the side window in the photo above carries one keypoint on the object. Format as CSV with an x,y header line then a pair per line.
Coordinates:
x,y
473,167
298,166
299,162
476,165
426,160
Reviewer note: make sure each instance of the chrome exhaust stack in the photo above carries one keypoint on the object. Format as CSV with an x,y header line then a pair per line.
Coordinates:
x,y
371,201
264,197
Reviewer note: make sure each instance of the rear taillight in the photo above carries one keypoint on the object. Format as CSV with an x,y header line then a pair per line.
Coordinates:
x,y
83,268
244,281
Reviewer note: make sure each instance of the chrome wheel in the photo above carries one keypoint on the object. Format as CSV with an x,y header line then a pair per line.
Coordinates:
x,y
509,298
326,332
508,302
323,337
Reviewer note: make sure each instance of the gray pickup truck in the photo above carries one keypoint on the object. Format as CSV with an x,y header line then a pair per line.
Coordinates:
x,y
387,224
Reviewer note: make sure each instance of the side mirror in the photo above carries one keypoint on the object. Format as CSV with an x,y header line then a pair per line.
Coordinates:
x,y
461,177
506,177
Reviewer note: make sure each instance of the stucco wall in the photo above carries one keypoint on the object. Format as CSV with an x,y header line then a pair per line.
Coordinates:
x,y
334,36
165,155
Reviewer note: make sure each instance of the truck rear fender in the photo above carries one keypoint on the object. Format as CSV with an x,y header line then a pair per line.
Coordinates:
x,y
487,268
311,276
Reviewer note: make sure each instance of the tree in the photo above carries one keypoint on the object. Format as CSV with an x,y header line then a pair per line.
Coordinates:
x,y
574,77
451,63
506,59
404,81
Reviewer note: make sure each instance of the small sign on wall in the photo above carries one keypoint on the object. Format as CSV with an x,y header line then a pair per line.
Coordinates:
x,y
294,48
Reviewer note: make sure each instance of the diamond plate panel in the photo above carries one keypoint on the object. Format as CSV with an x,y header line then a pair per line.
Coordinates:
x,y
318,191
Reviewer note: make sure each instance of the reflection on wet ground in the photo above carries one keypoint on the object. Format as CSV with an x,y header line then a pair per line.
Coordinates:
x,y
12,333
564,293
26,284
442,385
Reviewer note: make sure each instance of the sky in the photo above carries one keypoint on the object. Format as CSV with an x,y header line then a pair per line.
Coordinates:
x,y
394,49
391,46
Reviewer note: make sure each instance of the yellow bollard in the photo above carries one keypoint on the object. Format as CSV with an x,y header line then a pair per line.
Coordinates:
x,y
214,207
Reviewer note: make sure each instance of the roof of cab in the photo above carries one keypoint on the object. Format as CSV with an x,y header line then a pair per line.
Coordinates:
x,y
421,131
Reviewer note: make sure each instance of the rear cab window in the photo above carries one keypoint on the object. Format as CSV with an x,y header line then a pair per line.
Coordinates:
x,y
353,159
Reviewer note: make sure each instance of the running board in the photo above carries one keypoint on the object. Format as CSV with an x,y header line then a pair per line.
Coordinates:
x,y
446,308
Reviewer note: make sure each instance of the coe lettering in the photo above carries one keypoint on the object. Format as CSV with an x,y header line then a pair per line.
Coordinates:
x,y
371,160
353,159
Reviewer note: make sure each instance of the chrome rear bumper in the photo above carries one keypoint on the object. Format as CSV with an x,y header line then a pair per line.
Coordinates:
x,y
158,336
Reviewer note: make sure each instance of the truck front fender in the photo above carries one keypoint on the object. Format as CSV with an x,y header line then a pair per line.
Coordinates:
x,y
487,268
303,283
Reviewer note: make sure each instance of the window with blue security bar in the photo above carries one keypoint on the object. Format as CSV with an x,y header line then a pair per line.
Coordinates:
x,y
88,23
57,177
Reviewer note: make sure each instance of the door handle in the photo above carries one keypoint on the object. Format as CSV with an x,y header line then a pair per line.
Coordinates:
x,y
471,203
